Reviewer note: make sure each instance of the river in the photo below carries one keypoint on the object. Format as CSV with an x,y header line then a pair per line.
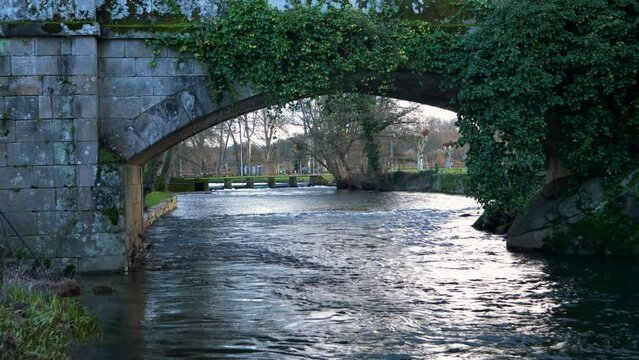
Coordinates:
x,y
324,274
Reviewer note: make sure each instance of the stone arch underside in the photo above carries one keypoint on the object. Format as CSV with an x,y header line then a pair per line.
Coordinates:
x,y
192,110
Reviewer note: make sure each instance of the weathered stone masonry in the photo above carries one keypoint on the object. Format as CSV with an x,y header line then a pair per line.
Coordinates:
x,y
55,95
82,109
49,151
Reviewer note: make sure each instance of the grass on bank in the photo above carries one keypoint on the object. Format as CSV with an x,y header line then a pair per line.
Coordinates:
x,y
155,197
37,324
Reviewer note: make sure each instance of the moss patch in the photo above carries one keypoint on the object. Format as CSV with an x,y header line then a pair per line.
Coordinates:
x,y
52,28
113,214
124,28
107,157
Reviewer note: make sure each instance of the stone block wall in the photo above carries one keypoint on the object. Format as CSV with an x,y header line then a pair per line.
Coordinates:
x,y
51,187
134,78
60,98
155,213
74,96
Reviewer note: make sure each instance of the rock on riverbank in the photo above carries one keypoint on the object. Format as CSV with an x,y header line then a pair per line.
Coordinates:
x,y
593,220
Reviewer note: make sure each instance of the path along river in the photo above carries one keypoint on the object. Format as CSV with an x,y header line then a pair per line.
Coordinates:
x,y
324,274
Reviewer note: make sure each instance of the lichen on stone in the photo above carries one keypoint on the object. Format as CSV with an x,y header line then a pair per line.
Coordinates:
x,y
42,10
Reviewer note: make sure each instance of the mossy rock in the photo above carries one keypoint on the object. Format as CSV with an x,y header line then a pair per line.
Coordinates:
x,y
609,232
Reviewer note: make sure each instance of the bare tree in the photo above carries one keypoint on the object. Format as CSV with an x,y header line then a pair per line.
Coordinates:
x,y
333,125
222,137
268,122
332,134
234,127
248,124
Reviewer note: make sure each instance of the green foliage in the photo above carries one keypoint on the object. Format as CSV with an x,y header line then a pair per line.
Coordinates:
x,y
445,182
534,79
300,52
534,73
404,181
452,183
113,214
155,197
37,326
185,185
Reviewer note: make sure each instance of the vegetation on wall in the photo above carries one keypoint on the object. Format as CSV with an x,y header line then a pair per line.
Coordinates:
x,y
547,83
539,83
302,51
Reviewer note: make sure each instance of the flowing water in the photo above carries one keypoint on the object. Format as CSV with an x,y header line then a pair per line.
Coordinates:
x,y
323,274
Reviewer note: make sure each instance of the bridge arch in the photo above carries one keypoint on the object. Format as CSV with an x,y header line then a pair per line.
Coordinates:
x,y
182,108
69,98
192,110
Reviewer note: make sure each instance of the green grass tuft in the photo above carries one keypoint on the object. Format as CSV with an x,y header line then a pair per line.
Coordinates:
x,y
155,197
38,326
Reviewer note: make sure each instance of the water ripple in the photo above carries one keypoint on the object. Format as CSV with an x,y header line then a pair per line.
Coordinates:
x,y
323,274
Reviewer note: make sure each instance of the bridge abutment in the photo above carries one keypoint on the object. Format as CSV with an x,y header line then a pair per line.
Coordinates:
x,y
66,107
52,188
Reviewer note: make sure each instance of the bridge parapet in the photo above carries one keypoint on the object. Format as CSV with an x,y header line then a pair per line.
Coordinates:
x,y
105,10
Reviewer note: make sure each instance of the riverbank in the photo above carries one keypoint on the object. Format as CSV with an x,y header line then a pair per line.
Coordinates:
x,y
37,318
454,183
445,181
157,204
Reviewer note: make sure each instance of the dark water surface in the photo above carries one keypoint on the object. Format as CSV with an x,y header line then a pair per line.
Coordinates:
x,y
321,274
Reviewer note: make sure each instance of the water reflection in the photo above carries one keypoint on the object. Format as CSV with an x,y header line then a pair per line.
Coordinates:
x,y
317,273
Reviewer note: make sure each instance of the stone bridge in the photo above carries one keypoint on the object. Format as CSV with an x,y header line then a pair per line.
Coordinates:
x,y
72,100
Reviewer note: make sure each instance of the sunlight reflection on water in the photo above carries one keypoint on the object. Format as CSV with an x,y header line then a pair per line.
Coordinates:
x,y
320,273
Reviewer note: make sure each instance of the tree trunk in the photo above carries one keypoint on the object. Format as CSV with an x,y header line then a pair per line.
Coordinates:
x,y
165,179
555,167
151,171
371,147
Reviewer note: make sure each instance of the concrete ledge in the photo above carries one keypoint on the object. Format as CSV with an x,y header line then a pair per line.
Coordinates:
x,y
153,214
